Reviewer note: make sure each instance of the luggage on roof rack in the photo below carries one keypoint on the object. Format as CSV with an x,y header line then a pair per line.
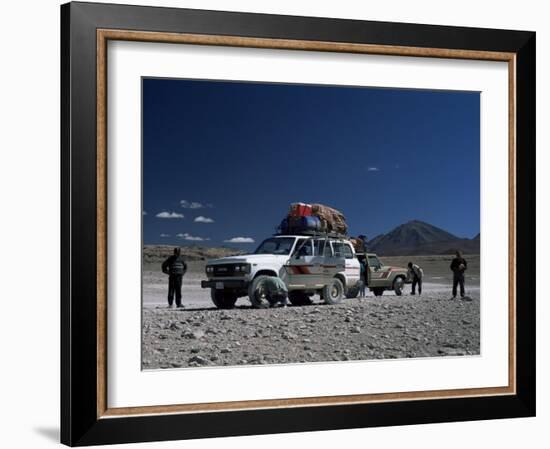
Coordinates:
x,y
299,210
296,225
316,218
319,234
333,219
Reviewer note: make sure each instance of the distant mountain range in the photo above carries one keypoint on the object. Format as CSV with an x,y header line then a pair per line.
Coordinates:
x,y
156,254
417,237
409,239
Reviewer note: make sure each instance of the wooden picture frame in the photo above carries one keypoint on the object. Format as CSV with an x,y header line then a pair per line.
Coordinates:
x,y
85,417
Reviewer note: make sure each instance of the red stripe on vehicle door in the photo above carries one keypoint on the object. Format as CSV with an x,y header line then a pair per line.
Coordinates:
x,y
300,269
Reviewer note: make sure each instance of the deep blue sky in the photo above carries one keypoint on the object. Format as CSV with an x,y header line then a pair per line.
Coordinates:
x,y
245,151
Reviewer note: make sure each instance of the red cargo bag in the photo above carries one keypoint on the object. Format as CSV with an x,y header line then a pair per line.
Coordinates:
x,y
300,210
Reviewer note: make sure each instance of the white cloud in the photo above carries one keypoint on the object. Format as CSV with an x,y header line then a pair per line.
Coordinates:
x,y
165,214
240,240
192,238
201,219
373,169
165,235
191,204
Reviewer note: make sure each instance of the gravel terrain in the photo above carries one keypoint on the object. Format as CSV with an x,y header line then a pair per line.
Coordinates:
x,y
384,327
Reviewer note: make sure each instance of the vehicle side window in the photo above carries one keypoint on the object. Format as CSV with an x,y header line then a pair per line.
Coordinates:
x,y
374,262
297,246
304,249
348,253
338,249
322,248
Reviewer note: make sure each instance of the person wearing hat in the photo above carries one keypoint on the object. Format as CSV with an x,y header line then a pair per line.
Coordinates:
x,y
458,267
415,273
175,267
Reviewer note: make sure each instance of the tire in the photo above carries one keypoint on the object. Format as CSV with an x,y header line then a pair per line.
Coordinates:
x,y
298,298
333,293
257,295
223,299
399,285
352,292
378,291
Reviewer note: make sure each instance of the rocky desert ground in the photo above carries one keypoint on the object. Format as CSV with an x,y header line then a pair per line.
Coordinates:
x,y
383,327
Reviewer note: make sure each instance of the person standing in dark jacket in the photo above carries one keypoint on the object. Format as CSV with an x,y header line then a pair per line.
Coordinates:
x,y
458,267
175,267
415,274
363,278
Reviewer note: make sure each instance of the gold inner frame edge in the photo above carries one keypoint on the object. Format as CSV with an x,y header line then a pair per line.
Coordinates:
x,y
104,35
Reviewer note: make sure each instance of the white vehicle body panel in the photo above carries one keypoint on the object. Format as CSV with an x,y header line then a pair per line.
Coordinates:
x,y
312,272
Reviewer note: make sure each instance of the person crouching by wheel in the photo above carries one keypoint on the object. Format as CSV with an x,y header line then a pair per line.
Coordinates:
x,y
268,291
175,267
277,292
415,273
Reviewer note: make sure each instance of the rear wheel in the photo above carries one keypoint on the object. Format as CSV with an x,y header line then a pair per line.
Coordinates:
x,y
333,293
223,299
298,298
378,291
258,294
398,285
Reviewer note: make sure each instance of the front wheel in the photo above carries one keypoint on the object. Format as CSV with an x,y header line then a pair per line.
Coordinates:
x,y
398,286
333,293
223,299
258,293
378,291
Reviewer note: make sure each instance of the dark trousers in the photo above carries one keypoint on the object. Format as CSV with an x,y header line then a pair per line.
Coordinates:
x,y
362,288
174,287
458,278
416,281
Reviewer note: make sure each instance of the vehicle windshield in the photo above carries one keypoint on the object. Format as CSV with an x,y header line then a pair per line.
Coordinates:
x,y
281,246
374,262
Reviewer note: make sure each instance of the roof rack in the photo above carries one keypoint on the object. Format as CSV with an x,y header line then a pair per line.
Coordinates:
x,y
316,234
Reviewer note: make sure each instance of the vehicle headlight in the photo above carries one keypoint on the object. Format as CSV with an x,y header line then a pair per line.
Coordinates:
x,y
209,269
243,268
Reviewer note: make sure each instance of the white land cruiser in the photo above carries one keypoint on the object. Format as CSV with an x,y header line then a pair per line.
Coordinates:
x,y
306,264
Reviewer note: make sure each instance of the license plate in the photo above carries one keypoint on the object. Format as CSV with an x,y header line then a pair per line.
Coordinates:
x,y
219,285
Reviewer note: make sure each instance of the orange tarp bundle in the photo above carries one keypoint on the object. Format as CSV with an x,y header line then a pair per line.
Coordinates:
x,y
332,220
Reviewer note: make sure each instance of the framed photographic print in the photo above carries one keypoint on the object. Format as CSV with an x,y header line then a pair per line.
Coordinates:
x,y
281,224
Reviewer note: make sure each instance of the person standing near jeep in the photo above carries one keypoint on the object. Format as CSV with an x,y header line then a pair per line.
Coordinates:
x,y
363,277
458,267
415,273
175,267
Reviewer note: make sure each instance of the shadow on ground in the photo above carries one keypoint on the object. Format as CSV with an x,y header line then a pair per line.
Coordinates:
x,y
50,433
